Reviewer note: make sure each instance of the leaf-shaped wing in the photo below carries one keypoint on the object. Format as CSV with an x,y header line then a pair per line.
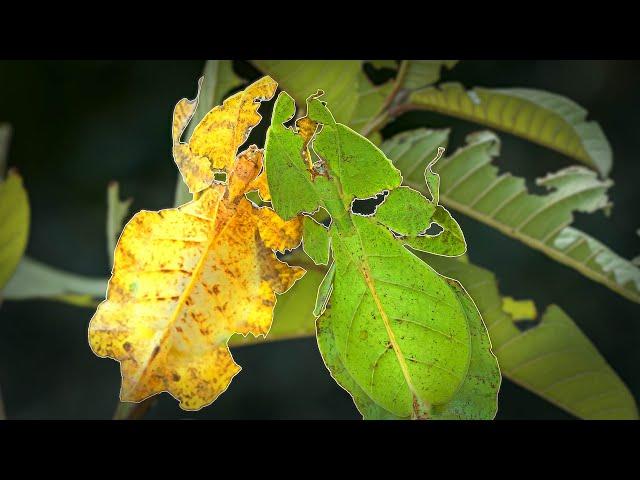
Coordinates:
x,y
472,400
398,327
471,185
545,118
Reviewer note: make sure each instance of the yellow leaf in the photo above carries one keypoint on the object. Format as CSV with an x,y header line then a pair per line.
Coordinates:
x,y
186,279
260,184
14,224
519,309
216,139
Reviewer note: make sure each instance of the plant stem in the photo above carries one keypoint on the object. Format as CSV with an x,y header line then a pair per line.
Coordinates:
x,y
136,411
133,411
385,111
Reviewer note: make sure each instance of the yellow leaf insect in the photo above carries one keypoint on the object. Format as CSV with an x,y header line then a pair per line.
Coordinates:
x,y
186,279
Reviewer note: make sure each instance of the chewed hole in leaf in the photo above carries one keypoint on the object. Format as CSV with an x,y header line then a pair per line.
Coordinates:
x,y
322,217
255,199
433,230
366,207
220,177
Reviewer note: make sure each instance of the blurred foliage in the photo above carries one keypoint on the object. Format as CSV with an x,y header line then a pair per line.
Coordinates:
x,y
113,117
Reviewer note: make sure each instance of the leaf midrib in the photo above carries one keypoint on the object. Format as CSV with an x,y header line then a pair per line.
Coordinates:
x,y
365,270
581,155
187,291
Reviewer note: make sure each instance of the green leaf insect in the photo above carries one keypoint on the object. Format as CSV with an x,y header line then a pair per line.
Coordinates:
x,y
404,341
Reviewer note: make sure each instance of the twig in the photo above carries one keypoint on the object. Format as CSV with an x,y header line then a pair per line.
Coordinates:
x,y
133,411
378,122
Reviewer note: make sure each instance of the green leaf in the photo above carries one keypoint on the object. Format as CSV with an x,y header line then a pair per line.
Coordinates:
x,y
399,328
340,79
540,117
553,358
421,73
14,225
35,280
472,185
116,212
370,101
217,82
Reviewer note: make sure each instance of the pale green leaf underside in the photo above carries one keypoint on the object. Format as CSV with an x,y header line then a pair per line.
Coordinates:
x,y
219,80
14,225
554,359
472,185
548,119
35,280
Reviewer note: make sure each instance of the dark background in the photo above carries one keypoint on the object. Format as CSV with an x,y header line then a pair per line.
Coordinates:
x,y
78,125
